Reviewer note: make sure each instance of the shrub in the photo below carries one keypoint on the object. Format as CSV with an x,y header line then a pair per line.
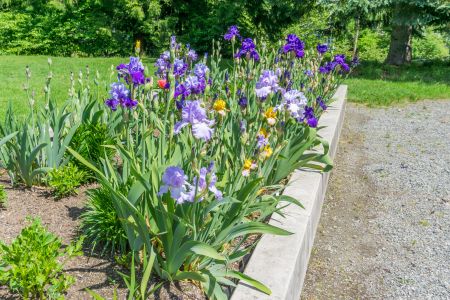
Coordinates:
x,y
373,45
101,224
32,265
3,196
430,46
89,141
64,181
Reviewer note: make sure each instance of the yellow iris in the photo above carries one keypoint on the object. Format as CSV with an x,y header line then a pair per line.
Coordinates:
x,y
248,164
263,132
268,151
220,106
138,44
271,116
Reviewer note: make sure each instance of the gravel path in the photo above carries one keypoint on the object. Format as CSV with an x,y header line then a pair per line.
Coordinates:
x,y
385,226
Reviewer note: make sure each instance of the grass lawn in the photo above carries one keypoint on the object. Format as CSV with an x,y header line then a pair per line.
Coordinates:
x,y
376,84
372,83
12,77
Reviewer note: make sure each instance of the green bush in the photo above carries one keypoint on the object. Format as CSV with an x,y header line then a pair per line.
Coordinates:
x,y
32,265
3,196
101,224
430,46
64,181
89,140
373,45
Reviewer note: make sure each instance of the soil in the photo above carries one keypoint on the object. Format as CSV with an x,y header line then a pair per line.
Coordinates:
x,y
62,218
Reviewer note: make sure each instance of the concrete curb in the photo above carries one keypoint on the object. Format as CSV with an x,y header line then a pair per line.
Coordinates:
x,y
280,262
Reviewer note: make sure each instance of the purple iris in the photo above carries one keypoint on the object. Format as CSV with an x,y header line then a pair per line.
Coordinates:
x,y
180,89
321,103
312,122
294,44
173,42
340,60
309,73
322,48
261,141
192,55
133,71
309,116
193,114
179,67
175,181
112,103
207,180
119,91
129,103
294,101
120,96
201,70
345,67
180,104
243,102
328,67
163,64
248,50
195,84
267,83
233,32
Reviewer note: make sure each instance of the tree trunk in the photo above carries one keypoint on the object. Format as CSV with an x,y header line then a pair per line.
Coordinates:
x,y
400,46
355,39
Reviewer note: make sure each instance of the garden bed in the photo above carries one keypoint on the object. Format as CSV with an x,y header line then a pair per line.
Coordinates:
x,y
284,273
100,274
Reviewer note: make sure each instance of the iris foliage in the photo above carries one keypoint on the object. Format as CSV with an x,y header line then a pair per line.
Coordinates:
x,y
197,154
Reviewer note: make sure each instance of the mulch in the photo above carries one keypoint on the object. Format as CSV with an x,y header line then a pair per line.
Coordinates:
x,y
62,217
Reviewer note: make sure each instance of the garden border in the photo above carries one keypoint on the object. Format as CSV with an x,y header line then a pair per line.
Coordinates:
x,y
280,262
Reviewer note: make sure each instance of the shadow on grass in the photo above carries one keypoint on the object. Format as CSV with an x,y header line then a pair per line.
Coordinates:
x,y
431,71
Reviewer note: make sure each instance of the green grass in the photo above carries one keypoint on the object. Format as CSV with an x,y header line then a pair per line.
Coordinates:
x,y
376,84
12,77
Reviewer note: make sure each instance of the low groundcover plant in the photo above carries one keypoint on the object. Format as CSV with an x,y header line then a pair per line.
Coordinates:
x,y
3,196
32,265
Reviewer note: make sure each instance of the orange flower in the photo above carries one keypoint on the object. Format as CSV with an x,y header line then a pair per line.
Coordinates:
x,y
162,83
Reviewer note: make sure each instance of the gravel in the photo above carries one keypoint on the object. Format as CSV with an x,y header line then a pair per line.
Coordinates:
x,y
385,227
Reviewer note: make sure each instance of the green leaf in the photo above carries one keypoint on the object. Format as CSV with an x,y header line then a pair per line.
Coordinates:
x,y
189,275
253,282
255,227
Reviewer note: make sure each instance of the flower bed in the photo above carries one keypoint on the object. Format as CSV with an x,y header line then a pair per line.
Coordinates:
x,y
189,164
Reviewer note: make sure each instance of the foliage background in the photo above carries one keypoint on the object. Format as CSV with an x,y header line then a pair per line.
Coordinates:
x,y
110,28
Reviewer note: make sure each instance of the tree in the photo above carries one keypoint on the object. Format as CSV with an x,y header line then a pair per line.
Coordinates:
x,y
407,17
359,13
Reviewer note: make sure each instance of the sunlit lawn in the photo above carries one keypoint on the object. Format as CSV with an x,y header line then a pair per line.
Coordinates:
x,y
12,77
377,84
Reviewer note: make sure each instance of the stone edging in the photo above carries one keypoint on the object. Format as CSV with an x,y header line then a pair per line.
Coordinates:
x,y
281,262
